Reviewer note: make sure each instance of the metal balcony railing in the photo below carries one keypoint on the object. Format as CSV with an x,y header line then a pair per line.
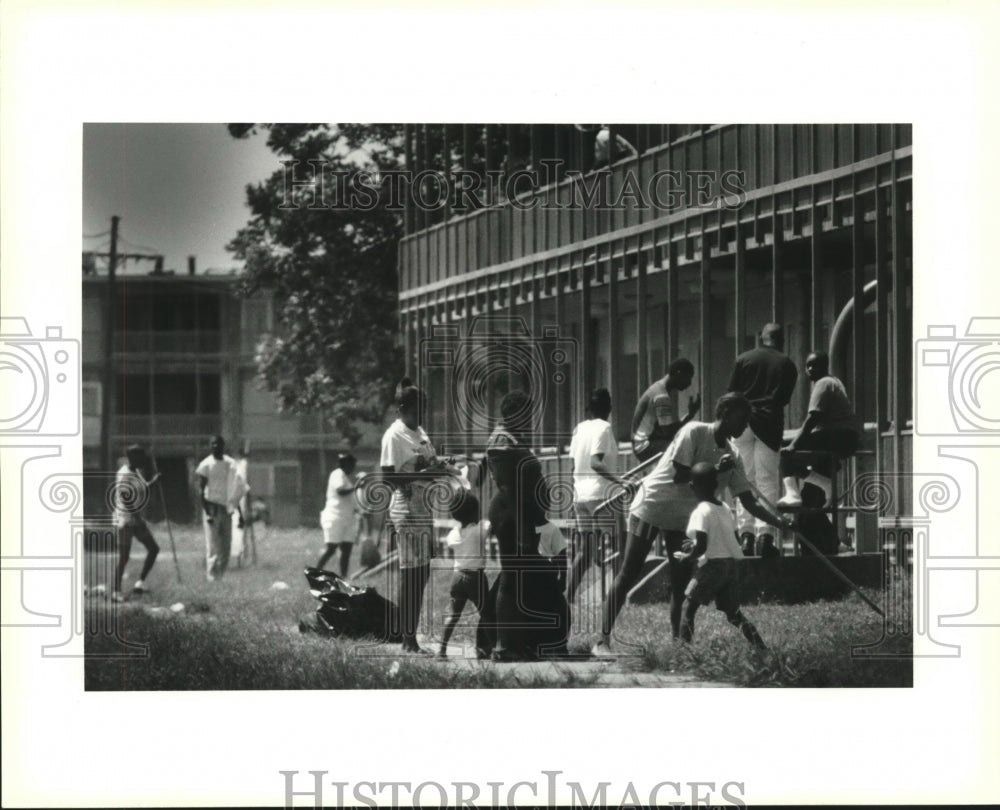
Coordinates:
x,y
842,158
165,424
133,342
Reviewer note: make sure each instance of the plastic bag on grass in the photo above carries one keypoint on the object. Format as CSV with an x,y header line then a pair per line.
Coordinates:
x,y
350,610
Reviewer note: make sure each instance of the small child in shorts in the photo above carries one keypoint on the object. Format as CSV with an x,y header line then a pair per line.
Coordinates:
x,y
713,544
468,542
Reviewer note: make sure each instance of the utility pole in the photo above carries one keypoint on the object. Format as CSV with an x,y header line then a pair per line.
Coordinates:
x,y
107,390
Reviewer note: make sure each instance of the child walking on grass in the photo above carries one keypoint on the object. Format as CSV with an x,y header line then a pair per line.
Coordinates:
x,y
712,543
468,542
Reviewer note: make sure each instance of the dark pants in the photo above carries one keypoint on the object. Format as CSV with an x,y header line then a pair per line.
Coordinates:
x,y
842,442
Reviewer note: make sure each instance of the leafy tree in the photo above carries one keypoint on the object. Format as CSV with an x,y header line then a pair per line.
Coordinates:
x,y
332,271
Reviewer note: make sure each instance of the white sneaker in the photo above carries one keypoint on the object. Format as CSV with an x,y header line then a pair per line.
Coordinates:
x,y
790,499
602,650
117,597
139,587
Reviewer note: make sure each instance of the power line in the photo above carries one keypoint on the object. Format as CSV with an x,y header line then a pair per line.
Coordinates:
x,y
95,235
134,246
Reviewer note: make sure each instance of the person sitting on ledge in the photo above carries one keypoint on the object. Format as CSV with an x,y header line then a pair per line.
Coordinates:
x,y
830,427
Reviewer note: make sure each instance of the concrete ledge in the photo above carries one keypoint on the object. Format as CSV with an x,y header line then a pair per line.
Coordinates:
x,y
789,580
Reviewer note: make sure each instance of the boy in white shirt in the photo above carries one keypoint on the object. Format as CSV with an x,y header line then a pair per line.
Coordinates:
x,y
713,544
469,583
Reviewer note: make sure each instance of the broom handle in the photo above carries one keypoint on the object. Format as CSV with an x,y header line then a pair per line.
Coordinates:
x,y
803,539
637,469
166,517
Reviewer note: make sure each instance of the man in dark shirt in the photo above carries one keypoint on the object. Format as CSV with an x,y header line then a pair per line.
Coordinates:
x,y
766,377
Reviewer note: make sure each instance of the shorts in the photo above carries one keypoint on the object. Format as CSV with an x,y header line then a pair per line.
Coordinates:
x,y
669,512
469,585
715,579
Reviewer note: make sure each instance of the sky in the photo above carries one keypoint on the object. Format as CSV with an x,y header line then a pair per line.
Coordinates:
x,y
178,188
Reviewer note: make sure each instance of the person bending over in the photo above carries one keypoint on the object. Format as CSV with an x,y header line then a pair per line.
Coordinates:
x,y
664,503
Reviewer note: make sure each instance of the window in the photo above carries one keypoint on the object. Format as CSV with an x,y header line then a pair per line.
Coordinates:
x,y
187,311
187,393
134,394
143,394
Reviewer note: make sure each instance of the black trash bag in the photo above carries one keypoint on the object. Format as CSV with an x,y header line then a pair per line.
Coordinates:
x,y
350,610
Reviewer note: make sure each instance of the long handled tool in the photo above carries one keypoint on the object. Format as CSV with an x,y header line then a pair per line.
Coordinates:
x,y
801,538
166,517
628,474
250,533
248,515
808,543
603,557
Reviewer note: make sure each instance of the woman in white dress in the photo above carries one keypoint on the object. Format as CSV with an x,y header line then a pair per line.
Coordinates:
x,y
339,516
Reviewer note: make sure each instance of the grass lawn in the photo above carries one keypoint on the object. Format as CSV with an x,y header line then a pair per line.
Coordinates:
x,y
241,632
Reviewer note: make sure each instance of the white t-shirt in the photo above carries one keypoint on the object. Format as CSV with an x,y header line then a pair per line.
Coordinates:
x,y
131,495
469,544
717,522
338,507
225,484
667,505
590,437
401,447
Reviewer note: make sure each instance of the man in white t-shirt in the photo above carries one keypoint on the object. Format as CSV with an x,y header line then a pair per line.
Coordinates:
x,y
594,451
222,487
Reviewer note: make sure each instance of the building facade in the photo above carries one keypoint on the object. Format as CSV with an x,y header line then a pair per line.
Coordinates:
x,y
688,241
183,355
